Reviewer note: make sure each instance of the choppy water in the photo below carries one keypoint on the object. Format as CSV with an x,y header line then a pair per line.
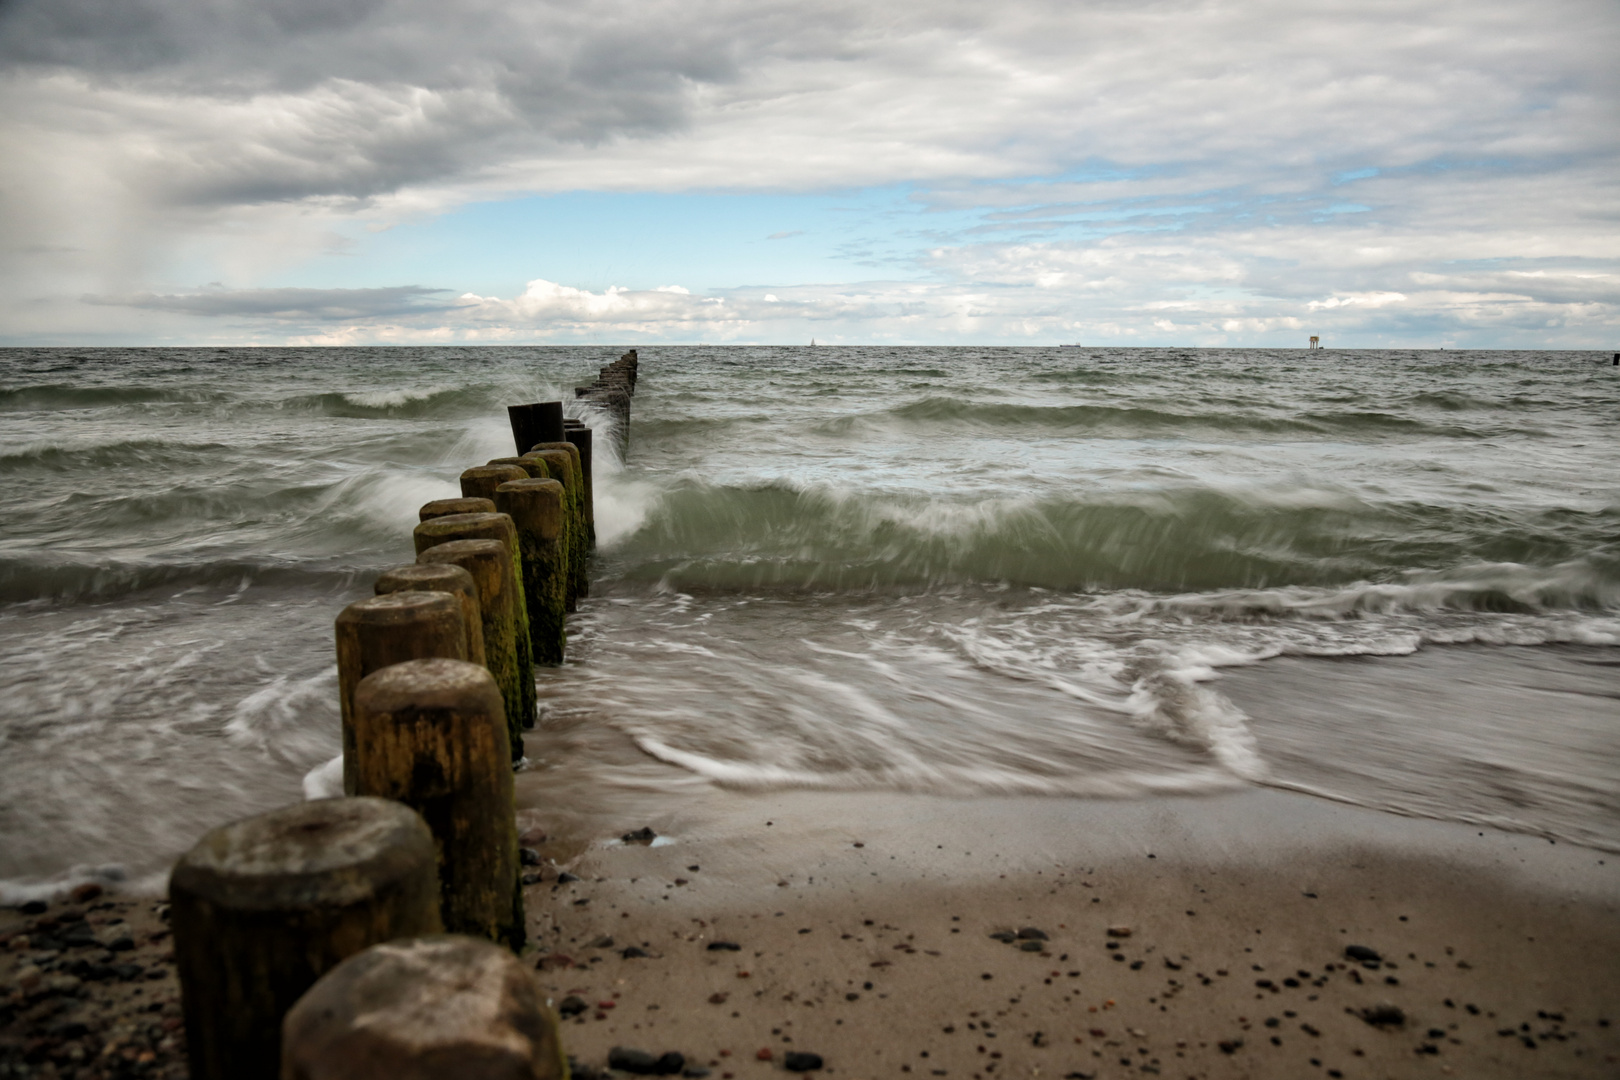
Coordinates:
x,y
957,570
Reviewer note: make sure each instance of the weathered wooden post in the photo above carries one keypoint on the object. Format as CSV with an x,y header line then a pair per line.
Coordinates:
x,y
432,734
538,509
261,908
577,433
436,1008
537,422
445,507
562,461
386,630
491,569
446,579
496,526
480,481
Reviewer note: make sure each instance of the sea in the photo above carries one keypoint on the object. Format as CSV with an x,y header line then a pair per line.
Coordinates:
x,y
961,571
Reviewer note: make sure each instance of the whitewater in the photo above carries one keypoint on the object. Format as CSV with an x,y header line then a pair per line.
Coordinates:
x,y
959,571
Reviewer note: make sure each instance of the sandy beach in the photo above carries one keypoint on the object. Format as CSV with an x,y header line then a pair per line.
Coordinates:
x,y
1182,937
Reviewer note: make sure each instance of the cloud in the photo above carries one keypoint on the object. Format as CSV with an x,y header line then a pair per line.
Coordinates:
x,y
288,304
1072,167
785,235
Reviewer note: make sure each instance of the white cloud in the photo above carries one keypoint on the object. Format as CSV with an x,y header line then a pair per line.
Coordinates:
x,y
1191,157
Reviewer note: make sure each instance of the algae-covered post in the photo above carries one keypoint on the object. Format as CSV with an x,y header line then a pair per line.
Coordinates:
x,y
577,433
439,1008
539,508
445,507
432,734
540,421
386,630
491,569
562,461
262,908
443,530
446,579
480,481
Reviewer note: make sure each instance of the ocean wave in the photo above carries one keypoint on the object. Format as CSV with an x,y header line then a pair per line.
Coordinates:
x,y
149,454
699,535
48,397
437,401
1007,419
28,579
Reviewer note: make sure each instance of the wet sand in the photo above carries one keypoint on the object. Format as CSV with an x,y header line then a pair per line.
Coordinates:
x,y
864,924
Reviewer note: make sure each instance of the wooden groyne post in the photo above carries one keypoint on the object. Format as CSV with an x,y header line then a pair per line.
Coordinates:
x,y
563,463
432,734
611,393
261,908
384,630
445,578
538,509
490,566
492,526
577,433
435,1008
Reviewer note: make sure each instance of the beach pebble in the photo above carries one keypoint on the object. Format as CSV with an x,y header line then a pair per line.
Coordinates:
x,y
630,1060
634,953
83,894
572,1005
694,1072
565,878
1030,946
1383,1015
798,1061
1030,933
527,856
643,835
1119,931
1005,935
724,946
34,907
1361,953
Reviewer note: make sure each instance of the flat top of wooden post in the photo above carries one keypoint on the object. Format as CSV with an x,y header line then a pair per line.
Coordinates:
x,y
328,851
400,607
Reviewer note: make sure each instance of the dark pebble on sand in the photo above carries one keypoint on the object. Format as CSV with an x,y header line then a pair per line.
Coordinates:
x,y
1383,1015
1030,933
669,1063
121,944
643,835
1229,1046
572,1005
565,878
694,1072
533,879
724,946
527,856
1362,953
1030,946
634,953
798,1061
639,1062
1005,935
34,907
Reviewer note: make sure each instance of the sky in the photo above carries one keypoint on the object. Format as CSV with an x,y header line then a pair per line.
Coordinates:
x,y
632,172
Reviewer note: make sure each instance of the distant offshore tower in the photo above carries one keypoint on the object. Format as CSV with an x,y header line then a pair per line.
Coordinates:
x,y
1316,342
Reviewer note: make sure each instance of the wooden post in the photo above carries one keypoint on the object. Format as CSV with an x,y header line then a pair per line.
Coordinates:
x,y
562,460
445,507
386,630
537,508
432,735
438,1008
577,433
443,578
261,908
537,422
443,530
491,570
480,481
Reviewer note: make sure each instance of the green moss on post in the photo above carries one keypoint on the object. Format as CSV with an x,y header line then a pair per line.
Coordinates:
x,y
444,507
537,507
430,534
480,481
562,459
445,578
262,908
491,569
384,630
432,734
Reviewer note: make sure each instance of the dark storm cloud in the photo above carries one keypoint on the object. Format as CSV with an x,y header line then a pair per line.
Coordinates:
x,y
296,304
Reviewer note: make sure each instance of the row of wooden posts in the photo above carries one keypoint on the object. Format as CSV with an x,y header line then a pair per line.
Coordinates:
x,y
374,935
